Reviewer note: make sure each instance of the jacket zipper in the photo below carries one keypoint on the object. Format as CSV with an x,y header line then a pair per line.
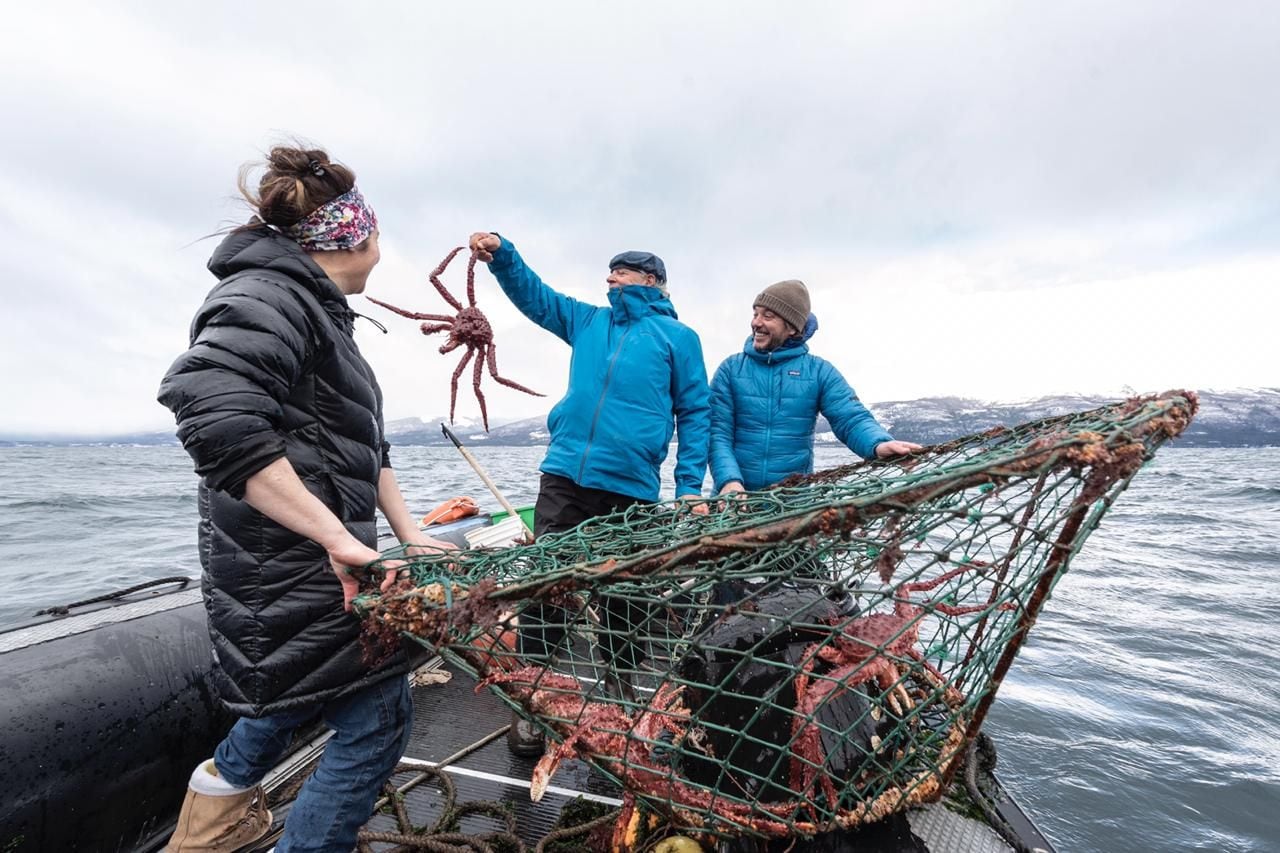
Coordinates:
x,y
591,434
768,434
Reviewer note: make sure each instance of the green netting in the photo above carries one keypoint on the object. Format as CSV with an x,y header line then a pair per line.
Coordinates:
x,y
810,656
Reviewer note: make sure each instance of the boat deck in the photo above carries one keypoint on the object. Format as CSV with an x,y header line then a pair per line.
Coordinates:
x,y
466,732
451,717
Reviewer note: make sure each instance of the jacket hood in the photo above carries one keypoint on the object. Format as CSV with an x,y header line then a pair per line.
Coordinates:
x,y
260,247
791,349
635,302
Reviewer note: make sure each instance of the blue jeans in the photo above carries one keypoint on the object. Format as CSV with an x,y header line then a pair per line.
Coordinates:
x,y
371,729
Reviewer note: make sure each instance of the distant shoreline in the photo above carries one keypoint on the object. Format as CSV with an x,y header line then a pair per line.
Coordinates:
x,y
1246,418
1202,443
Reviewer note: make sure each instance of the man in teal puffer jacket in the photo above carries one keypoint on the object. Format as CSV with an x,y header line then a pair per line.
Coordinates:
x,y
765,400
636,377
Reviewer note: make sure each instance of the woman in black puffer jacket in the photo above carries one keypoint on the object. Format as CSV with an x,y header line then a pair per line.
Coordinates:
x,y
283,418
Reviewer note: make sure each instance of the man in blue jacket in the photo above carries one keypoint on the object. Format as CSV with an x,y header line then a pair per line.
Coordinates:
x,y
765,400
636,377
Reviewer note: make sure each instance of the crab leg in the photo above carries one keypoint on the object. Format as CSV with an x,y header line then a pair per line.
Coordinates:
x,y
475,385
412,315
453,385
439,285
471,281
493,371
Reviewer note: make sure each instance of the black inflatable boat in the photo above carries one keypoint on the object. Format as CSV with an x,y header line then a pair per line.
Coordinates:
x,y
106,708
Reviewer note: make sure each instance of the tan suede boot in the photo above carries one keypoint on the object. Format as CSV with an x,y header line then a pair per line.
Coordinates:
x,y
220,824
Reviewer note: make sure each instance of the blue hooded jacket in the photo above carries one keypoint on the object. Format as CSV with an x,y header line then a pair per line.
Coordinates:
x,y
635,375
763,409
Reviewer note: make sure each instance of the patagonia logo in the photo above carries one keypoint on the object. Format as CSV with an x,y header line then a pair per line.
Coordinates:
x,y
793,373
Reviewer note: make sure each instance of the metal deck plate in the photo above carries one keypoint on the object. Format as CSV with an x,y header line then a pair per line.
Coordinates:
x,y
448,717
451,716
944,830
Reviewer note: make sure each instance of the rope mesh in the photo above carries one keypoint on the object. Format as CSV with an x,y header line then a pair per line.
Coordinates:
x,y
812,656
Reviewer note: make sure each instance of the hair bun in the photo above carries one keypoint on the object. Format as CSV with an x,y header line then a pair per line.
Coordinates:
x,y
297,162
297,180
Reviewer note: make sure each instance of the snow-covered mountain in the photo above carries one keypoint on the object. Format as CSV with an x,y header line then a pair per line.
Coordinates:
x,y
1248,418
1241,418
1226,419
416,431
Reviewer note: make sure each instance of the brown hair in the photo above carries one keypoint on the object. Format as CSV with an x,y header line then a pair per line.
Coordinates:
x,y
296,182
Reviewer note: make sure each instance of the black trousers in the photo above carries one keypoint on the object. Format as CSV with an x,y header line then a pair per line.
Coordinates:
x,y
563,505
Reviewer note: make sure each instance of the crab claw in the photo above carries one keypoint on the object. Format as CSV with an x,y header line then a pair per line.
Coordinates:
x,y
546,767
627,827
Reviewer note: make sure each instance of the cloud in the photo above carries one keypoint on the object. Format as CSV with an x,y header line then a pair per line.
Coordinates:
x,y
987,199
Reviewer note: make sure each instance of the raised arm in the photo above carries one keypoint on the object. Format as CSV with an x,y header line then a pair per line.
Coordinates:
x,y
560,315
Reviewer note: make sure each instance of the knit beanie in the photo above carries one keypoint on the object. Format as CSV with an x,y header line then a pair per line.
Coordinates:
x,y
788,299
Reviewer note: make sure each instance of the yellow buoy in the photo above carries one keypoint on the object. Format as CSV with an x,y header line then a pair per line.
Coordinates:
x,y
678,844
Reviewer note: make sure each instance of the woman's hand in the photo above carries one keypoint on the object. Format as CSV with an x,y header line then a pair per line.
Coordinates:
x,y
484,244
348,555
423,545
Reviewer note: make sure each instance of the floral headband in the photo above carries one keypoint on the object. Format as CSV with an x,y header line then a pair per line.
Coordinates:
x,y
343,223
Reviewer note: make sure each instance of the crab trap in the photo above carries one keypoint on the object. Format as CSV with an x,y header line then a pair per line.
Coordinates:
x,y
803,658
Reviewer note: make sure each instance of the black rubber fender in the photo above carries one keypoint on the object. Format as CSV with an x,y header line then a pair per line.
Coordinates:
x,y
101,731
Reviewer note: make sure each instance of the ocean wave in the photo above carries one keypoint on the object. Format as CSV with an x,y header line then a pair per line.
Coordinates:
x,y
1143,699
1269,494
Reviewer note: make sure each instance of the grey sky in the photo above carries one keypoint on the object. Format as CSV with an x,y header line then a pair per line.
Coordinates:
x,y
993,200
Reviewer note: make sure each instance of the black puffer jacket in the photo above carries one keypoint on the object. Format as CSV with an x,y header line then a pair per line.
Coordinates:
x,y
273,371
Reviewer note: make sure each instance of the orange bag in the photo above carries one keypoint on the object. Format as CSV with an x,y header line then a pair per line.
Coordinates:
x,y
497,651
451,510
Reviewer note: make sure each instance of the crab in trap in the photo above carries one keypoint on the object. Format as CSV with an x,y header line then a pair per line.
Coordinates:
x,y
468,328
877,653
630,746
771,727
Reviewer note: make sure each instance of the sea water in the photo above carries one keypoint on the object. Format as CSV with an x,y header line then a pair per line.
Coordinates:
x,y
1143,713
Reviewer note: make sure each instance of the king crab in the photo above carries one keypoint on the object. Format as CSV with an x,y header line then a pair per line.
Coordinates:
x,y
622,742
868,650
880,650
469,328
